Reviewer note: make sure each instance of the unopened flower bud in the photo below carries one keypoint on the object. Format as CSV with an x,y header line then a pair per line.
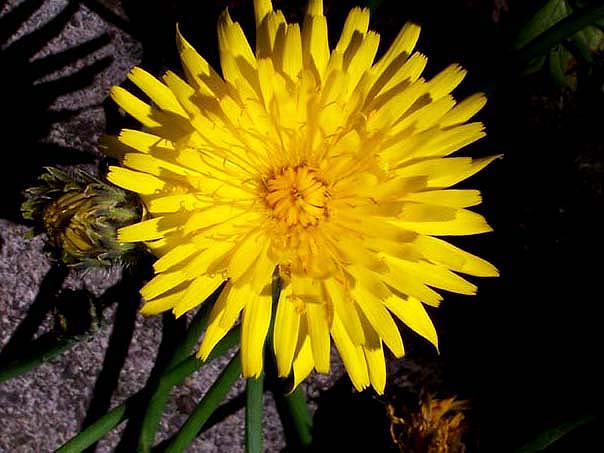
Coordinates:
x,y
80,215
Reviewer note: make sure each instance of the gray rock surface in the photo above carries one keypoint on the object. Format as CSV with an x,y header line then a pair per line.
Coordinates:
x,y
44,408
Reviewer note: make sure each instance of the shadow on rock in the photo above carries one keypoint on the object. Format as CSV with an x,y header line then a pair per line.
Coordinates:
x,y
29,94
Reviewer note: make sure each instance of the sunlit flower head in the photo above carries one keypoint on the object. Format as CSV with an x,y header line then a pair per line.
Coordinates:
x,y
323,166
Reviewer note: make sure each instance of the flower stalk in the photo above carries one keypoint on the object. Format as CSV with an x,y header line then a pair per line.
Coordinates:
x,y
206,406
253,414
169,379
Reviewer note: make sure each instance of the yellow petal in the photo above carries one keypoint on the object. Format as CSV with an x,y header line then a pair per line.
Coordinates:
x,y
245,254
174,257
465,110
400,49
270,31
447,172
199,73
285,336
261,9
358,58
453,198
215,330
377,367
206,261
237,300
407,284
439,251
345,310
162,303
255,323
159,93
348,251
380,320
147,230
390,81
425,117
315,43
463,223
356,21
445,142
135,181
197,292
291,57
352,355
135,107
154,166
143,141
318,330
183,92
434,275
231,39
446,81
303,362
162,283
387,108
308,290
262,271
412,312
314,8
211,216
369,281
374,356
175,203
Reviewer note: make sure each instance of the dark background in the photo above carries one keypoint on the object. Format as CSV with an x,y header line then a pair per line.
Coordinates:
x,y
526,349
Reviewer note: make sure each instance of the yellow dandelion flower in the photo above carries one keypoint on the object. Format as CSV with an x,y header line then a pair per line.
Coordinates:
x,y
325,165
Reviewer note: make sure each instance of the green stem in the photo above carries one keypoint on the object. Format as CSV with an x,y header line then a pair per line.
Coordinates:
x,y
206,406
559,32
114,417
299,415
37,356
253,414
553,435
161,393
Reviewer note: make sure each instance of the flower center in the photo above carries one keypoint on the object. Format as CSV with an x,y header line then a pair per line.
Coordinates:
x,y
297,196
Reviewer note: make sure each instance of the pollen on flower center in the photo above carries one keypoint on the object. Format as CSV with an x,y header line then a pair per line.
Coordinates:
x,y
296,196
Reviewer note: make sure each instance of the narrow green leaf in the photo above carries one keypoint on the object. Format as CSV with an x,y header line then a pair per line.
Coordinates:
x,y
102,426
161,394
206,406
41,350
560,31
551,436
253,414
171,377
295,415
549,14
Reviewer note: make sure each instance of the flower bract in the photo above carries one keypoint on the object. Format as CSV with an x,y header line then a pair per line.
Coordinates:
x,y
329,168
